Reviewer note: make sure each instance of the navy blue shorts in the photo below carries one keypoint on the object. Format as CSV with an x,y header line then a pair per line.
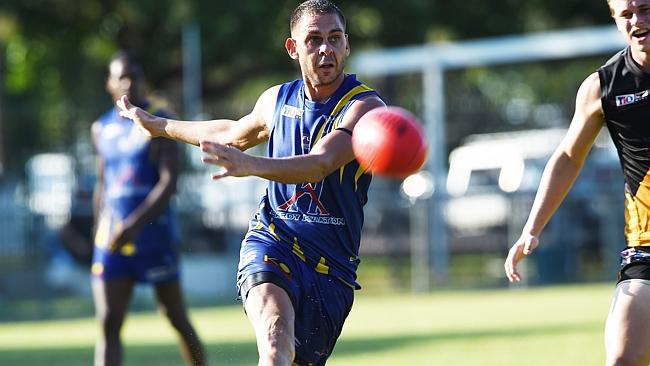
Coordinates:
x,y
321,302
157,267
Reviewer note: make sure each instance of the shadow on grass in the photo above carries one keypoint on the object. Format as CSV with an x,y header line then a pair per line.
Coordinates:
x,y
245,353
348,346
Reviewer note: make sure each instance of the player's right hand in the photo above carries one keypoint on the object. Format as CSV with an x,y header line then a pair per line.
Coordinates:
x,y
146,121
523,247
234,163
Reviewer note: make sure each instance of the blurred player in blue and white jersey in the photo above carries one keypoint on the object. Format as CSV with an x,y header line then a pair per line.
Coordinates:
x,y
136,239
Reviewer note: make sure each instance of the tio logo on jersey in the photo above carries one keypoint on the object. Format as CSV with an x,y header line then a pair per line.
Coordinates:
x,y
627,99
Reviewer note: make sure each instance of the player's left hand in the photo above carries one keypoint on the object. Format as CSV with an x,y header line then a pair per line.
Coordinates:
x,y
523,247
151,125
233,162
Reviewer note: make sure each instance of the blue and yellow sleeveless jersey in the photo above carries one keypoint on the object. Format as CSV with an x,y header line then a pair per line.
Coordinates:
x,y
129,176
320,222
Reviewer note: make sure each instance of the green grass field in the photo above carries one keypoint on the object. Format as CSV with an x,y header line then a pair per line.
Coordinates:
x,y
538,326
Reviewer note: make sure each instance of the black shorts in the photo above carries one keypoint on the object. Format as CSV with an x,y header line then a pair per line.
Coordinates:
x,y
635,264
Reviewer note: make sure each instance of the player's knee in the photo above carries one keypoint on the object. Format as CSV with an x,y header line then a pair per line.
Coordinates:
x,y
183,327
110,322
278,357
278,334
177,319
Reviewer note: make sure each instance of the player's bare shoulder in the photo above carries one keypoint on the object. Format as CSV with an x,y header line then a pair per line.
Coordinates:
x,y
265,105
591,86
589,95
95,130
255,127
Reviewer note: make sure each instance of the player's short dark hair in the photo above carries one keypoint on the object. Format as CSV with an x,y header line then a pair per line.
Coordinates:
x,y
129,57
609,6
315,6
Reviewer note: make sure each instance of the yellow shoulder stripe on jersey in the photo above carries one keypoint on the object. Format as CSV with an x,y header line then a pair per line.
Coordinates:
x,y
362,88
360,170
320,132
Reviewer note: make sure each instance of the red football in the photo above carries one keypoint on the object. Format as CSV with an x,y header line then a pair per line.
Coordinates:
x,y
390,142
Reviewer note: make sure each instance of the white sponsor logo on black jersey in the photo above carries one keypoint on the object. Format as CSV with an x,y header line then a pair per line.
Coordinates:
x,y
627,99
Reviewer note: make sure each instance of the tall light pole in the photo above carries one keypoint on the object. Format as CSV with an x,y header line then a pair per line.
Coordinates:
x,y
192,97
2,83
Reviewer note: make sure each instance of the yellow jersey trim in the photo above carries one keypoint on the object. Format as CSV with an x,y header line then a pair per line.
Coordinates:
x,y
337,108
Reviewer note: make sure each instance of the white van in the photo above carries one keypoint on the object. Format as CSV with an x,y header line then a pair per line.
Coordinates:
x,y
487,168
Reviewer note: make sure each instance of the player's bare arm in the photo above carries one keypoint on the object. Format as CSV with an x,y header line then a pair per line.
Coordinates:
x,y
561,171
248,131
331,152
168,160
99,182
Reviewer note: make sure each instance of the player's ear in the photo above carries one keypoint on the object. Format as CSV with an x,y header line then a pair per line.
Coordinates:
x,y
108,85
290,45
347,45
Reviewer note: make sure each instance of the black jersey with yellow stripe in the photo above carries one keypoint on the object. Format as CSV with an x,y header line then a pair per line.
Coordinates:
x,y
625,97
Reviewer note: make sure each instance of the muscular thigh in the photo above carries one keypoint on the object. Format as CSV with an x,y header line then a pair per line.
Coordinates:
x,y
627,332
628,323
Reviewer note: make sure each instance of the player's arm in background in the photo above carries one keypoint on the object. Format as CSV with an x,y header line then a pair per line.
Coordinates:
x,y
248,131
561,171
328,154
165,154
98,191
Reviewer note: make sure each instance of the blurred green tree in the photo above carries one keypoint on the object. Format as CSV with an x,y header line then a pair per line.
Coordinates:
x,y
53,52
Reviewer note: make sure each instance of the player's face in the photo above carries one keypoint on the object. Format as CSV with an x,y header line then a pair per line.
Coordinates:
x,y
124,79
633,20
320,45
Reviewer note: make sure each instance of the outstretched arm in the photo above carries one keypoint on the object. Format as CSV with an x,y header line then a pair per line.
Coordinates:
x,y
244,133
328,154
561,171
